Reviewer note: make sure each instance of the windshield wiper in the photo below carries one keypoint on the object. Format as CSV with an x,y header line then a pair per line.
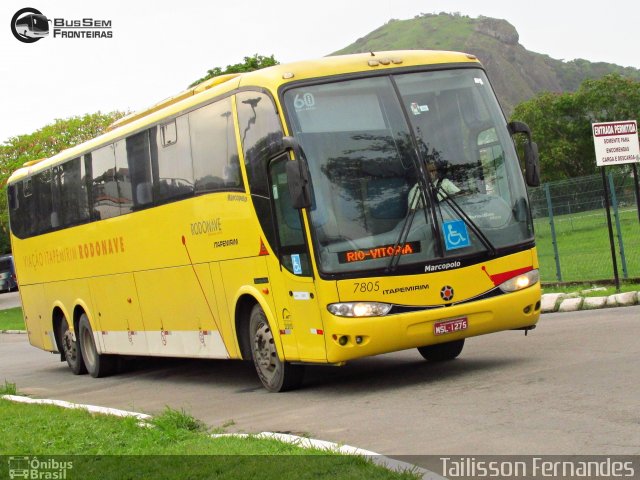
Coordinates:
x,y
460,212
414,202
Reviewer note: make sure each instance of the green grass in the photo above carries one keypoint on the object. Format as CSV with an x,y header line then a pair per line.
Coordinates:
x,y
175,446
8,388
11,319
583,246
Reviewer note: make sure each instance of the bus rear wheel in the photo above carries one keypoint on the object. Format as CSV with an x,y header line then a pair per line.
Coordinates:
x,y
97,365
71,349
275,375
442,351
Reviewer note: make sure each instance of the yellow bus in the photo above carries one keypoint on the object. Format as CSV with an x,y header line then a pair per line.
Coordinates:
x,y
309,213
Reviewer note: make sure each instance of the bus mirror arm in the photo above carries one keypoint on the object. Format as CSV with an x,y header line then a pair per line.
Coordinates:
x,y
531,156
297,177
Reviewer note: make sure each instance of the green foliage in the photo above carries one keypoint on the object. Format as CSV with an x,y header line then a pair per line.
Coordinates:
x,y
8,388
12,319
561,123
256,62
106,447
44,143
572,74
177,420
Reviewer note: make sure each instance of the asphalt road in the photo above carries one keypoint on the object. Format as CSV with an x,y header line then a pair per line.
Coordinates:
x,y
571,387
9,300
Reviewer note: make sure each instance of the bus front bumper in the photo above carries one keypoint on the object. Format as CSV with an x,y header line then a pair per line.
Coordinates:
x,y
350,338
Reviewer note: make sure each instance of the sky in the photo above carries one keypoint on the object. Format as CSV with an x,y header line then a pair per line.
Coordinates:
x,y
158,48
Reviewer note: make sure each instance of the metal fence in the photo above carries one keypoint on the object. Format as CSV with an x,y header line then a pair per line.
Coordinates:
x,y
572,235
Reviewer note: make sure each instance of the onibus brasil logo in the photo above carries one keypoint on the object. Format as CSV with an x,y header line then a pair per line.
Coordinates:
x,y
29,25
33,468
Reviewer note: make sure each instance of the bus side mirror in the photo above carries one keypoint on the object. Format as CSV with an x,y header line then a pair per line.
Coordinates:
x,y
532,164
531,156
297,178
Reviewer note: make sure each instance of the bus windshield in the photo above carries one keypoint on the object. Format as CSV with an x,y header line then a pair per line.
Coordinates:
x,y
40,23
414,168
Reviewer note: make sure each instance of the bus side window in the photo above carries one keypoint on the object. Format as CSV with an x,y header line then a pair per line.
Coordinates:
x,y
292,248
42,186
14,209
261,136
135,159
27,203
72,202
171,162
106,199
169,133
56,207
214,150
13,197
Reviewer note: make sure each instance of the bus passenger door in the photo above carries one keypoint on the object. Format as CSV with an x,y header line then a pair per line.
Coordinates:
x,y
294,290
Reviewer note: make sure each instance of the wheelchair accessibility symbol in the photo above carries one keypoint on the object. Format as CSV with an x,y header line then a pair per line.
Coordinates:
x,y
295,263
456,234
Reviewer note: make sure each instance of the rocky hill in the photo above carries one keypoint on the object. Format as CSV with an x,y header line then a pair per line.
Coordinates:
x,y
516,73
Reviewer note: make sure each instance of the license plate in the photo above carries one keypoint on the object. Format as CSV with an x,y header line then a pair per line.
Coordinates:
x,y
450,326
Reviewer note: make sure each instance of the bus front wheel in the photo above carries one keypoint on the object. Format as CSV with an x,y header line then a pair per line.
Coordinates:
x,y
442,351
71,349
276,375
97,365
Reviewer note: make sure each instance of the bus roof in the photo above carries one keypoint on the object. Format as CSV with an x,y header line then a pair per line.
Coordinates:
x,y
271,78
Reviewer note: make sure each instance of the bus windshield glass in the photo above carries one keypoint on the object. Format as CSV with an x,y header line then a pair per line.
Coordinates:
x,y
40,23
412,168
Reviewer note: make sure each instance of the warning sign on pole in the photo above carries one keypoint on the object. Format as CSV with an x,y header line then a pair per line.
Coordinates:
x,y
616,143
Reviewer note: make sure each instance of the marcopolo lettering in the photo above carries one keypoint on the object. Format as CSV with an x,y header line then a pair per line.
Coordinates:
x,y
442,267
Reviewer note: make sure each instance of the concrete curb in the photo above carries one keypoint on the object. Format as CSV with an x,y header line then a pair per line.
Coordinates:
x,y
302,442
562,302
90,408
19,332
378,459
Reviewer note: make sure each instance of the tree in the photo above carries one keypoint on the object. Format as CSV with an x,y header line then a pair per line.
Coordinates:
x,y
44,143
249,65
561,123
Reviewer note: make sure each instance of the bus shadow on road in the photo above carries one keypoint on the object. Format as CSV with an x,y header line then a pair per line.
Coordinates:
x,y
372,374
189,371
382,374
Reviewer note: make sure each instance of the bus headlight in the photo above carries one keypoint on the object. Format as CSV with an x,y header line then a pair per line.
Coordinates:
x,y
359,309
520,282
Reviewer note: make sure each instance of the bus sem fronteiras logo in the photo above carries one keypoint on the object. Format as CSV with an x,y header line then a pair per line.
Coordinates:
x,y
29,25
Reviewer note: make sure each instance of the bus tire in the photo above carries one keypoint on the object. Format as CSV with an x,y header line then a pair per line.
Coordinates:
x,y
71,349
442,351
97,365
275,375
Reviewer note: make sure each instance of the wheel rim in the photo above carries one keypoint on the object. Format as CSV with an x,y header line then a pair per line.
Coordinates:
x,y
87,347
264,352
